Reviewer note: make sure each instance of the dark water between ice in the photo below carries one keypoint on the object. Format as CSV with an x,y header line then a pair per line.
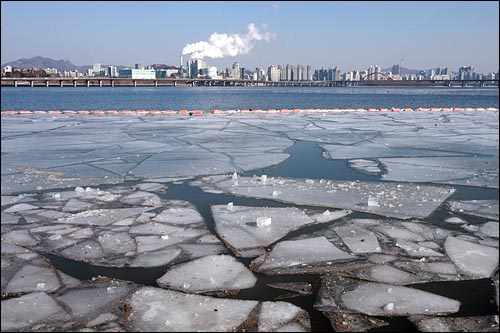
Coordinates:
x,y
306,161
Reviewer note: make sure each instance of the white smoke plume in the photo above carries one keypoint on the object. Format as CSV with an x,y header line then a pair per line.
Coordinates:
x,y
224,45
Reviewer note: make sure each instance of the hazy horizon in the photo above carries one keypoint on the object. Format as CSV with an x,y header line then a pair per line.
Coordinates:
x,y
350,35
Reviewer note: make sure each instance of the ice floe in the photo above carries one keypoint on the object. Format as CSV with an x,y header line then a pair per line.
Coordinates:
x,y
248,230
394,200
210,273
378,299
472,259
482,208
300,256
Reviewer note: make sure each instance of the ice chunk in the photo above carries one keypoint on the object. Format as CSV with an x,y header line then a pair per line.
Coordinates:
x,y
416,250
75,205
179,215
295,254
328,215
397,200
374,299
211,273
373,202
152,312
8,218
85,250
20,208
153,228
278,316
101,217
399,233
33,278
482,208
455,220
365,166
230,206
489,229
263,221
194,251
152,243
92,301
358,240
20,237
239,230
388,274
27,310
154,187
475,260
142,198
156,258
116,243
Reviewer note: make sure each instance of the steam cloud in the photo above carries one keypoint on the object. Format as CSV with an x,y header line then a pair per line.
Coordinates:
x,y
224,45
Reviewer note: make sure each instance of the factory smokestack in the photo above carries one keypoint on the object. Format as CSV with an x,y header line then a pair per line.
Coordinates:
x,y
224,45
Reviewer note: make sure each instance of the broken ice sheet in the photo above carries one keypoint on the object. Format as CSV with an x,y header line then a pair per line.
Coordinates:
x,y
464,170
481,208
365,166
343,321
32,278
394,200
211,273
377,299
24,311
300,256
152,312
473,260
359,240
238,227
283,317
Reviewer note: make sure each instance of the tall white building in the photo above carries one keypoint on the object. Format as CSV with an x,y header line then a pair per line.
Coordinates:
x,y
274,73
236,74
112,71
96,69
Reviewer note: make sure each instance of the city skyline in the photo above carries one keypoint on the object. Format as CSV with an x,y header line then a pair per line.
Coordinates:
x,y
350,35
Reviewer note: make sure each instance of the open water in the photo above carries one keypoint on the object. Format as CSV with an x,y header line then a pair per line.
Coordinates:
x,y
225,98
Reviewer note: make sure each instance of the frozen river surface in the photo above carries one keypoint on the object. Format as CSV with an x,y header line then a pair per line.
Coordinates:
x,y
349,222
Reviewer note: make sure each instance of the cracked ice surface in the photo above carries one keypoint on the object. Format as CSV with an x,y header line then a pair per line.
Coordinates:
x,y
394,200
152,312
457,149
129,148
171,232
472,259
481,208
237,226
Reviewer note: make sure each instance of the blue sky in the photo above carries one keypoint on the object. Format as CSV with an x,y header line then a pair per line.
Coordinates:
x,y
350,35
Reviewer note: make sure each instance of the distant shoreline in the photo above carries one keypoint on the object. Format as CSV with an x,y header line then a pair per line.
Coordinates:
x,y
126,82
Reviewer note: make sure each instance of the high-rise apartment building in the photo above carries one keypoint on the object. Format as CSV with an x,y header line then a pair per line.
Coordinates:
x,y
236,71
96,69
274,73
